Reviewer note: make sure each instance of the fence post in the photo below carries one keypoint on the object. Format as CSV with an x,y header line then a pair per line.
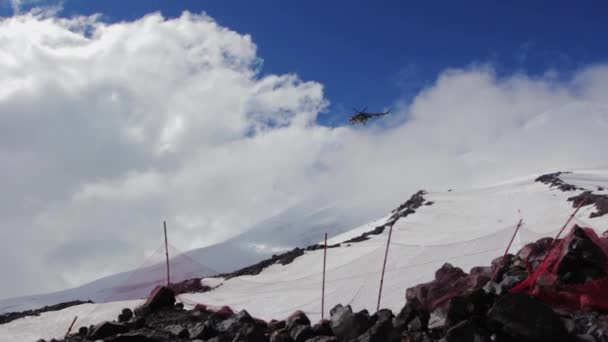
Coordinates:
x,y
388,242
71,326
507,250
167,254
323,287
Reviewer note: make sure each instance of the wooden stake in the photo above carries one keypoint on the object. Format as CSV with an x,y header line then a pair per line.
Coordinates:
x,y
71,326
323,288
507,250
167,255
580,204
388,242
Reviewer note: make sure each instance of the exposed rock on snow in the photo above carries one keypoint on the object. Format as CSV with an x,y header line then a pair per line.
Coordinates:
x,y
600,202
553,180
11,316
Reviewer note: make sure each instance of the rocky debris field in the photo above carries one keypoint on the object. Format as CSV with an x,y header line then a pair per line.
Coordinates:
x,y
455,306
11,316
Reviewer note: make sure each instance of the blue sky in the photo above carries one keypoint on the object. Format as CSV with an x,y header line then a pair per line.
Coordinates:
x,y
371,53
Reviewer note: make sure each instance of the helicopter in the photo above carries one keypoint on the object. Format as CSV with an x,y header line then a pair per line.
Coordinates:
x,y
361,116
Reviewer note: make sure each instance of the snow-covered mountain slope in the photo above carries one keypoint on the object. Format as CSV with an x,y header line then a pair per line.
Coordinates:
x,y
272,236
466,227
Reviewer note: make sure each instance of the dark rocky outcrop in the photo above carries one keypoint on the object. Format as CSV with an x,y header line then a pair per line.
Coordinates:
x,y
553,180
11,316
527,319
600,201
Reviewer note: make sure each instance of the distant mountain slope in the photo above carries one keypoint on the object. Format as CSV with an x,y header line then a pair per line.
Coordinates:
x,y
275,235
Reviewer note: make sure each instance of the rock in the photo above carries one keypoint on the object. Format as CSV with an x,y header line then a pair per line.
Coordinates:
x,y
382,315
160,297
525,318
466,331
323,339
241,325
179,305
301,332
134,337
107,329
125,315
202,331
225,311
177,330
275,325
83,331
141,311
583,262
449,282
584,338
465,307
346,325
408,313
381,331
281,335
297,317
323,328
136,323
221,338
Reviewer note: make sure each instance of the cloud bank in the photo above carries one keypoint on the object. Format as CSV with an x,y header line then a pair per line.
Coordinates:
x,y
107,129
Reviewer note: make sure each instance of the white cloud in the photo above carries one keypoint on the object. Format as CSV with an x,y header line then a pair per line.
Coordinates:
x,y
106,130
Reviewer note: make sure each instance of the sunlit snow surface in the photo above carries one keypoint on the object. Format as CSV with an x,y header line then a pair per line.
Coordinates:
x,y
466,227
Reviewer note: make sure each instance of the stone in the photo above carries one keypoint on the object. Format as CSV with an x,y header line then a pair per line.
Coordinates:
x,y
322,339
297,317
177,330
275,325
160,297
525,318
107,329
202,331
281,335
323,328
125,315
301,332
346,325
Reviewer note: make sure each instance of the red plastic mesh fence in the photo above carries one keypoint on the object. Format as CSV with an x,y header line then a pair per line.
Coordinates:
x,y
545,284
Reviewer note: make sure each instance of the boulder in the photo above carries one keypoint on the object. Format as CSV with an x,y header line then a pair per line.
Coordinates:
x,y
107,329
300,332
525,318
125,315
83,331
382,315
160,297
449,282
241,325
297,317
463,308
413,309
177,330
281,335
584,261
323,339
323,328
346,325
202,331
134,337
275,325
381,331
